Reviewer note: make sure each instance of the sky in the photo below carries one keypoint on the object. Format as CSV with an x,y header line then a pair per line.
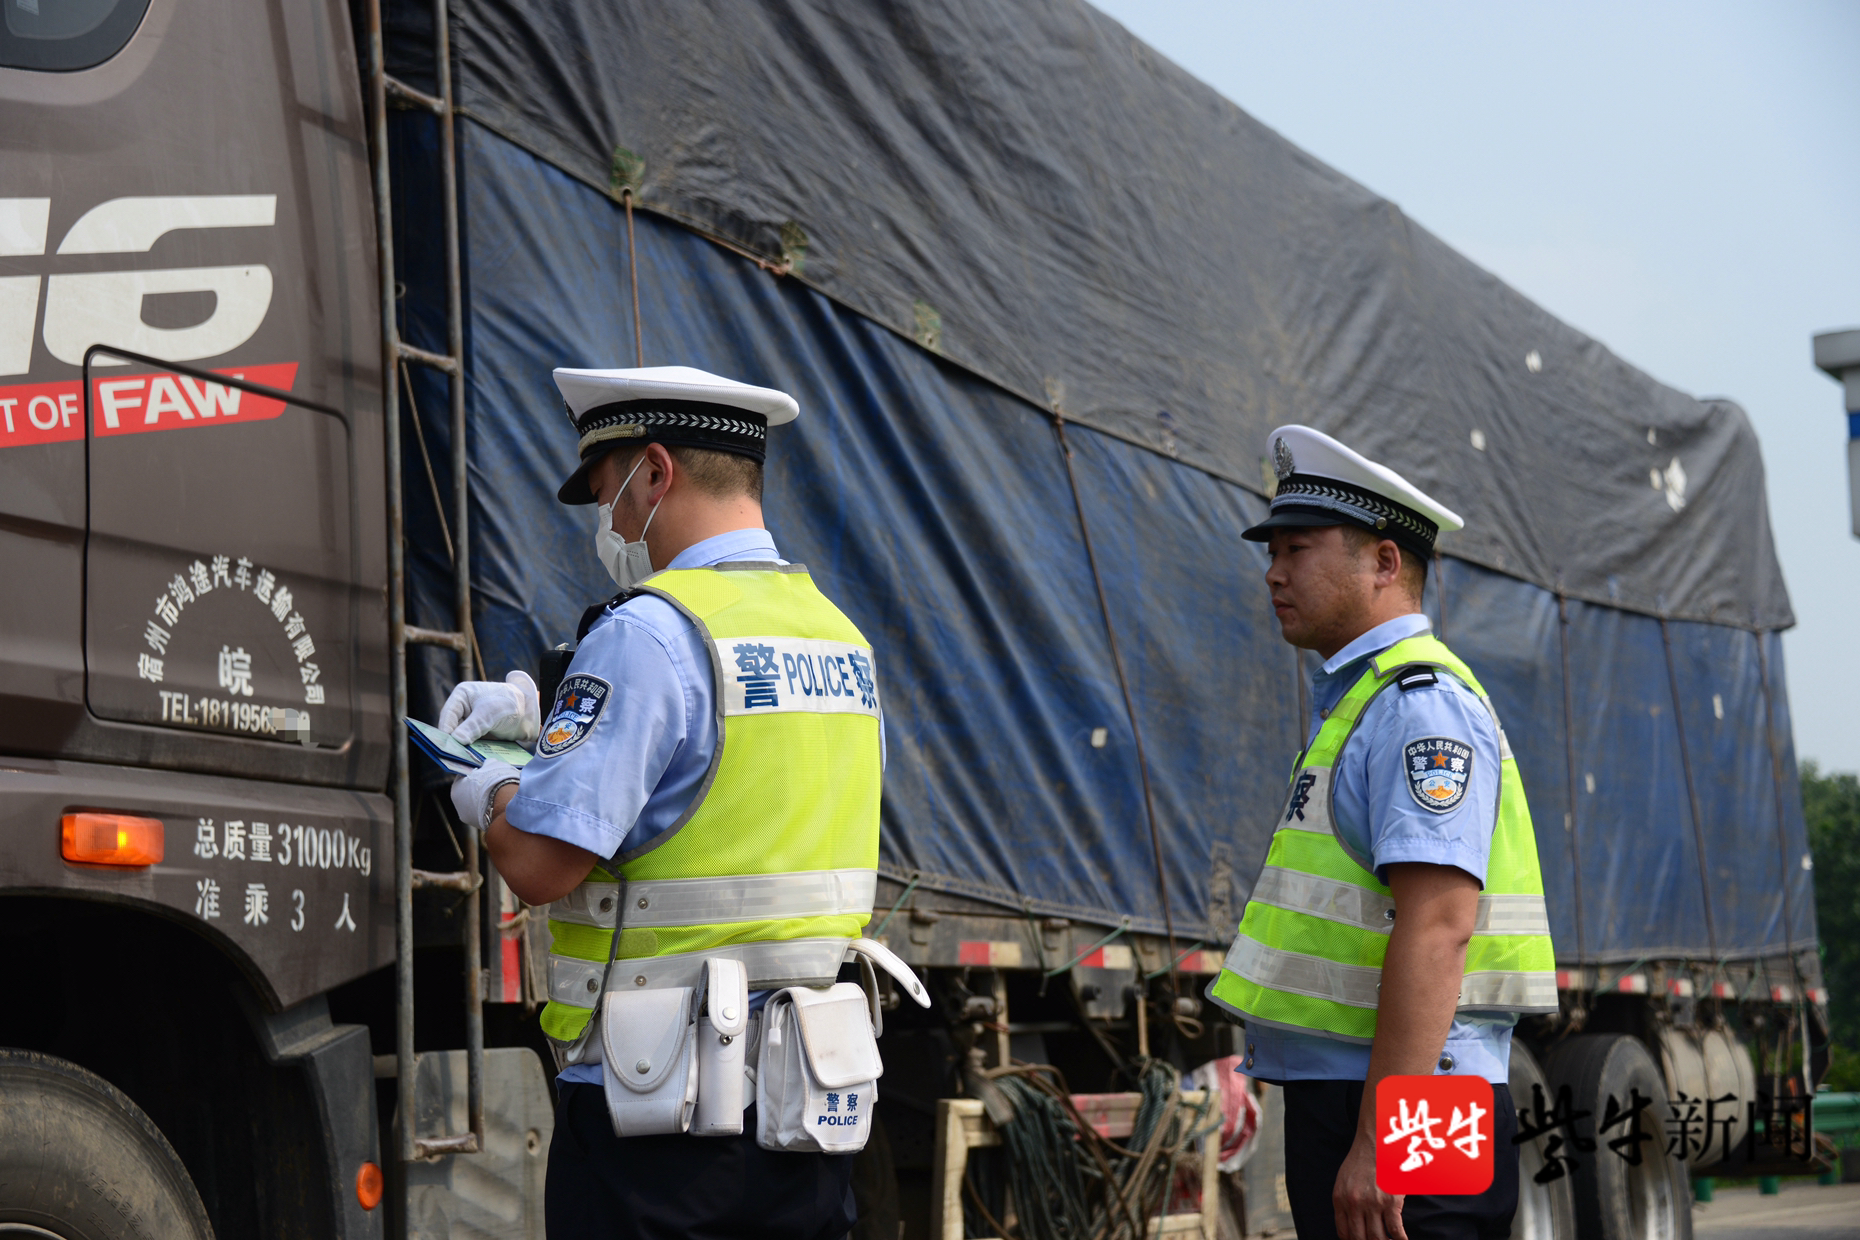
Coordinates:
x,y
1681,182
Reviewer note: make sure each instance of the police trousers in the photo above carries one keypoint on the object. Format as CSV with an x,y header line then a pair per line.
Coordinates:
x,y
1320,1126
683,1187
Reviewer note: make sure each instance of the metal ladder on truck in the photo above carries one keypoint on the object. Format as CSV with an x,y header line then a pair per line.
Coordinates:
x,y
396,355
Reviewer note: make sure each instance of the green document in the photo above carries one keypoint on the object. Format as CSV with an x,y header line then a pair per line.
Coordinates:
x,y
456,756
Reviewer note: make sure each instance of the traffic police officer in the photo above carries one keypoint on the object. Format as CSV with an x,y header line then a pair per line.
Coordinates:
x,y
633,783
1398,926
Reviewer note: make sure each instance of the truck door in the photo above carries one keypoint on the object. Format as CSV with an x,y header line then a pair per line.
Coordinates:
x,y
219,557
196,573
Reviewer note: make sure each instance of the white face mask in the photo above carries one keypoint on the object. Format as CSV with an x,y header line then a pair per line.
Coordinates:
x,y
628,563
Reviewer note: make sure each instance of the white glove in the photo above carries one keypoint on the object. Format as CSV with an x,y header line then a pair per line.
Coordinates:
x,y
509,712
472,794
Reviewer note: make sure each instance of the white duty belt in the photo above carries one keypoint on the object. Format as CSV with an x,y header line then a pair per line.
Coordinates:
x,y
661,902
771,964
655,903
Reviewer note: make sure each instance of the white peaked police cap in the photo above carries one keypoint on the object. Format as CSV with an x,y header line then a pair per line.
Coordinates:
x,y
1324,482
678,406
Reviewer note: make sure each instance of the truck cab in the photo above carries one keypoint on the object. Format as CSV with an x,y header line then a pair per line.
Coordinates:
x,y
195,844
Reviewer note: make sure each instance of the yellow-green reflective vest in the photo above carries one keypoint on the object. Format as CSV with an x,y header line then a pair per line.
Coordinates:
x,y
775,862
1308,955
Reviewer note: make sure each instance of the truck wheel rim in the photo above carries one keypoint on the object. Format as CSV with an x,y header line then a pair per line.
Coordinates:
x,y
1652,1212
1535,1219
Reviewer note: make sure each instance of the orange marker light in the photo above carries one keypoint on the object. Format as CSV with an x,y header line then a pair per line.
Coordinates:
x,y
368,1186
112,839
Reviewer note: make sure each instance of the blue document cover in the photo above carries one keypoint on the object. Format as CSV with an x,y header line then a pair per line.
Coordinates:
x,y
458,757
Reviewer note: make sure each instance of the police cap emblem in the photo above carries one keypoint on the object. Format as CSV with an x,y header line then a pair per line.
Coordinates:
x,y
1438,770
578,703
1282,462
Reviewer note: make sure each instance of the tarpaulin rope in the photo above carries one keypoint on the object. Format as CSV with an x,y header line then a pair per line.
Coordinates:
x,y
1440,592
1188,951
1123,928
1611,983
1033,932
1569,766
1130,706
632,267
917,876
445,529
1782,830
781,267
1692,792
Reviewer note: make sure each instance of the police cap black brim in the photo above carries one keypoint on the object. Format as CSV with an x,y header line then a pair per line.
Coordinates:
x,y
576,489
1293,517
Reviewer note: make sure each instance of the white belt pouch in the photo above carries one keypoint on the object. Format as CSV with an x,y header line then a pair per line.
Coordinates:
x,y
649,1061
721,1034
817,1079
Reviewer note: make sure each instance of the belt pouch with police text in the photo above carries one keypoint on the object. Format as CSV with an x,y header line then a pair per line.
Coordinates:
x,y
722,1025
649,1060
817,1078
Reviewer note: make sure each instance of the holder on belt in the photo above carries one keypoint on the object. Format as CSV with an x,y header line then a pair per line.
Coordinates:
x,y
674,1061
649,1070
720,1043
817,1079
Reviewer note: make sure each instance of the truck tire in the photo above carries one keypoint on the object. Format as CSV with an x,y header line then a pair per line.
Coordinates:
x,y
79,1159
1729,1069
1616,1200
1545,1211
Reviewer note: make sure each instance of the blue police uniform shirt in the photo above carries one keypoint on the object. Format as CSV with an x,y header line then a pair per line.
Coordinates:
x,y
651,746
1378,819
648,752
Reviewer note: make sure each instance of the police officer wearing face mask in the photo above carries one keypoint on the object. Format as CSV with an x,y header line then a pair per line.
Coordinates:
x,y
713,637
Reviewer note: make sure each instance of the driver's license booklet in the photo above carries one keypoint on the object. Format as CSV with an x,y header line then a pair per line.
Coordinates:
x,y
458,757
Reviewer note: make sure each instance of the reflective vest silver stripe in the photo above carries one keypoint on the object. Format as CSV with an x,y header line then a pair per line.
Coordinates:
x,y
591,904
1512,914
654,903
1356,985
1299,974
1515,992
1324,897
771,964
1351,905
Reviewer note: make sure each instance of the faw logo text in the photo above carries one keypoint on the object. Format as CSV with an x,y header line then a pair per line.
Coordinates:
x,y
82,309
34,413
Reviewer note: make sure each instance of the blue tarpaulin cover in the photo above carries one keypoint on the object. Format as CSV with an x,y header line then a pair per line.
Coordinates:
x,y
935,507
1027,190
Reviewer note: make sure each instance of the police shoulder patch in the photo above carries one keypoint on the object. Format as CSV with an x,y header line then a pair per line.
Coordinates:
x,y
578,703
1438,770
